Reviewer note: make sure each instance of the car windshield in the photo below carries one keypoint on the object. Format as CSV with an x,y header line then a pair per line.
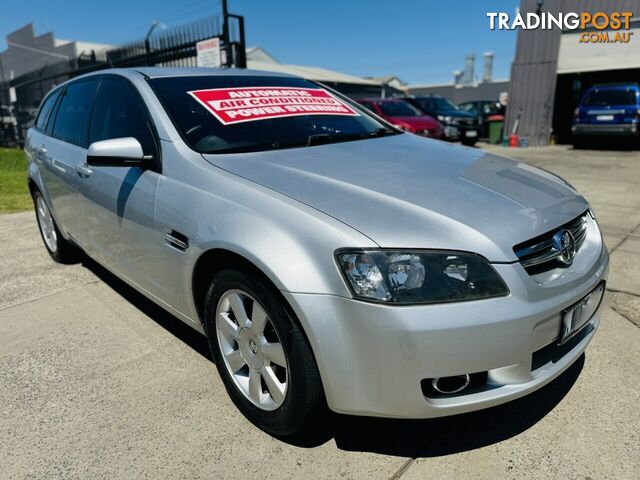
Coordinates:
x,y
233,114
611,97
437,104
398,109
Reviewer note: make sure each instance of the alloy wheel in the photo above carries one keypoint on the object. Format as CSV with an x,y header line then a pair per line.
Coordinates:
x,y
251,350
46,224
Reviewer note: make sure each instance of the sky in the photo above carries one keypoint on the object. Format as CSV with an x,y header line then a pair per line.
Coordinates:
x,y
419,41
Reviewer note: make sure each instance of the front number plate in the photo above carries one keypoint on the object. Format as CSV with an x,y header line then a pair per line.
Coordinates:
x,y
576,317
604,118
471,133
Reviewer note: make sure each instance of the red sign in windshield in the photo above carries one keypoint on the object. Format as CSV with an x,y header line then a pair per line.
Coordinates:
x,y
248,104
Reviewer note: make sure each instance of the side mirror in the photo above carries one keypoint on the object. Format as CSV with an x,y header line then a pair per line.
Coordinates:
x,y
116,152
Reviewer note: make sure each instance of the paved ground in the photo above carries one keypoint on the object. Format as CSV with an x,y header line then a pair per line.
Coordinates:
x,y
96,382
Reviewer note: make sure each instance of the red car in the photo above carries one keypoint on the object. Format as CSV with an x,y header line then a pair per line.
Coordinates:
x,y
405,116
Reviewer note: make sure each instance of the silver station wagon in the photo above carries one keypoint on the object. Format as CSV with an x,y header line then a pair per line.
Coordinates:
x,y
333,261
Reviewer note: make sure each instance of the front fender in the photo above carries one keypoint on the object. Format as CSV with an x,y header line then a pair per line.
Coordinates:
x,y
291,243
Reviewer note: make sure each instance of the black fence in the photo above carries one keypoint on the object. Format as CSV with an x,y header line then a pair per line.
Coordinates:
x,y
174,47
8,130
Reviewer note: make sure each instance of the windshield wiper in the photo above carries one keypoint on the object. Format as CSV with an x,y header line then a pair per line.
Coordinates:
x,y
324,138
382,132
312,140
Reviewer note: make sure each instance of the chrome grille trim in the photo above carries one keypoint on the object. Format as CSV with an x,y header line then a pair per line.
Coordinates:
x,y
543,251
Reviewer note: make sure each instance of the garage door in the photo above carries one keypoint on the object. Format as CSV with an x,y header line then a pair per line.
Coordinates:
x,y
590,57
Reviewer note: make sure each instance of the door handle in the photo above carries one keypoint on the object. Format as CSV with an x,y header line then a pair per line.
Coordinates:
x,y
84,171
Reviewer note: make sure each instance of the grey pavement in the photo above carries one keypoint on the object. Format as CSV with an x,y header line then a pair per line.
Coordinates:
x,y
97,382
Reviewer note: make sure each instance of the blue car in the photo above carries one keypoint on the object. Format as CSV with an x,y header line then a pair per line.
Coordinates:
x,y
607,110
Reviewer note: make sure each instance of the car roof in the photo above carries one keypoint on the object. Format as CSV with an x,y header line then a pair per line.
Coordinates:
x,y
164,72
160,72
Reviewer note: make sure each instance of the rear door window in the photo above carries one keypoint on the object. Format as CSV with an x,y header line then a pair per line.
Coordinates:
x,y
72,118
45,110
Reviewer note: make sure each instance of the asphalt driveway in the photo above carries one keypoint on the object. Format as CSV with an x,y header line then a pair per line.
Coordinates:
x,y
97,382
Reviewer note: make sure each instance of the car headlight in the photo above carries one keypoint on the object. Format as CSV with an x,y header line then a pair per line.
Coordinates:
x,y
445,118
412,277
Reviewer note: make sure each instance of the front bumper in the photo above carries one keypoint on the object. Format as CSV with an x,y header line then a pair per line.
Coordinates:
x,y
373,358
460,131
621,129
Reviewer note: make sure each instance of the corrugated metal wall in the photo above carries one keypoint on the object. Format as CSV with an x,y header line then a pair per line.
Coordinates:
x,y
576,57
534,70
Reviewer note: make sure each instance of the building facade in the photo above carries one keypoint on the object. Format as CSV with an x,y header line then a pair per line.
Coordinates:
x,y
27,51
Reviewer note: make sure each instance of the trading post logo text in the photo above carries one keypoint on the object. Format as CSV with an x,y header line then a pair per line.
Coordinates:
x,y
616,24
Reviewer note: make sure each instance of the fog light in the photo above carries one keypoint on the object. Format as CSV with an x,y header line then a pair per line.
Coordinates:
x,y
449,385
456,385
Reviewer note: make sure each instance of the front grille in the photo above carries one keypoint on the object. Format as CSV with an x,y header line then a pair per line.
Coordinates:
x,y
539,254
467,122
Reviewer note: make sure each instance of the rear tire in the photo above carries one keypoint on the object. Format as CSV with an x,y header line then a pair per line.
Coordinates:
x,y
59,249
250,347
580,143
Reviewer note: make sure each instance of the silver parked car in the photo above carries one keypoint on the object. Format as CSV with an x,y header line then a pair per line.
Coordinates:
x,y
330,259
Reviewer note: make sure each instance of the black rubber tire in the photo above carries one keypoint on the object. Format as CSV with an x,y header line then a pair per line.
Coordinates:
x,y
304,404
66,252
469,143
580,143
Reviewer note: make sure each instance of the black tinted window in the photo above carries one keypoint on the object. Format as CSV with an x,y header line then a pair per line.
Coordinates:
x,y
398,109
119,113
611,97
436,104
73,114
206,134
45,110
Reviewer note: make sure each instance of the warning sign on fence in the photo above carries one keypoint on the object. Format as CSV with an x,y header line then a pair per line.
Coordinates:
x,y
208,53
248,104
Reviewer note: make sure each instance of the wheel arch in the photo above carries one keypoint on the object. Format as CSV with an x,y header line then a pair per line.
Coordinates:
x,y
217,259
33,187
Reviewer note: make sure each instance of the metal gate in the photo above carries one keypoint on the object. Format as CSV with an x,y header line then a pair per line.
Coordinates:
x,y
170,48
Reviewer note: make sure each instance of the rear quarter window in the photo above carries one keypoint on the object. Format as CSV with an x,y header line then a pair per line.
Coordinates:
x,y
72,117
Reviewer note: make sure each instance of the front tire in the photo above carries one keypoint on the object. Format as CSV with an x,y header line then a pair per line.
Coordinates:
x,y
261,354
59,249
581,143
